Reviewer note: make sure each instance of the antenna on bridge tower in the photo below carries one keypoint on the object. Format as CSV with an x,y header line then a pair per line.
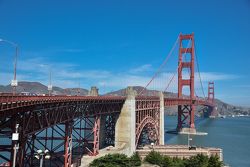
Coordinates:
x,y
185,111
210,96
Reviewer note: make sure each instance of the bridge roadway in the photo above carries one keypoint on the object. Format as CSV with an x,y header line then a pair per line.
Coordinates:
x,y
10,103
58,109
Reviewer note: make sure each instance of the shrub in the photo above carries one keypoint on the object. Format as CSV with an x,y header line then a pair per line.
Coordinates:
x,y
199,160
111,160
177,162
121,160
214,161
135,160
154,158
167,161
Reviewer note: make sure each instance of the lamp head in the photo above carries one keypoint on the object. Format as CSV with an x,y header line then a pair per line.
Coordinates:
x,y
37,156
39,151
47,156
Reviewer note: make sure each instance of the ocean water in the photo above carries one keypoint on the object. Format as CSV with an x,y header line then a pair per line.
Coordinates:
x,y
230,134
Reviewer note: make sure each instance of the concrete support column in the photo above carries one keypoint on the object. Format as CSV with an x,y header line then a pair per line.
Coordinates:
x,y
125,125
162,131
94,91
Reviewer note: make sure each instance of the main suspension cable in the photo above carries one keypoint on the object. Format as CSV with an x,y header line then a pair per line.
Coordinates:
x,y
160,68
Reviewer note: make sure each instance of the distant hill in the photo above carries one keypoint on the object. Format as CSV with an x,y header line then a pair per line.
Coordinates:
x,y
39,89
138,89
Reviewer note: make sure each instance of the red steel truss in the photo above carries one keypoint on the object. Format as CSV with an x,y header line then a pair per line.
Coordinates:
x,y
147,119
37,116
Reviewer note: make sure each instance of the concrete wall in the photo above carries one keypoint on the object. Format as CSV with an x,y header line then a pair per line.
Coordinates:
x,y
162,130
125,125
93,91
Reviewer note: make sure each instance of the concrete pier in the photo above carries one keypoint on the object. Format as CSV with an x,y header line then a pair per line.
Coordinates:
x,y
162,131
125,125
93,91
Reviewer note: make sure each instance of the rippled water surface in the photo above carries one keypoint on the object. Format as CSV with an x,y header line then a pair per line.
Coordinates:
x,y
230,134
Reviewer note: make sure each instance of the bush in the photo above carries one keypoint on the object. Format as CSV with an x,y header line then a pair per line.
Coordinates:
x,y
199,160
111,160
135,160
177,162
117,160
154,158
167,162
214,161
121,160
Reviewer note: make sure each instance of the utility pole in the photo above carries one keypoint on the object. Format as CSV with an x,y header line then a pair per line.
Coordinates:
x,y
15,138
14,82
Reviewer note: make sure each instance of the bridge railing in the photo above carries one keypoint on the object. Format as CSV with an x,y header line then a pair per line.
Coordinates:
x,y
8,99
187,100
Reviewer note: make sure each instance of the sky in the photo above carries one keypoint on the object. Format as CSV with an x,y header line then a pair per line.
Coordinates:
x,y
112,44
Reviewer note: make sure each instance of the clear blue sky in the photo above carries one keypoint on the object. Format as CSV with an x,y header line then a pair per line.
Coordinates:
x,y
112,44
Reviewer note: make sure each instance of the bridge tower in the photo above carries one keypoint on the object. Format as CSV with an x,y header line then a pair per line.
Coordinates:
x,y
210,98
210,92
186,112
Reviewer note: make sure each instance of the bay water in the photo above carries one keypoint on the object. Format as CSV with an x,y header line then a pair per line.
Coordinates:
x,y
230,134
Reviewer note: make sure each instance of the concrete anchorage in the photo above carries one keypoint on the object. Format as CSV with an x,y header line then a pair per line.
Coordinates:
x,y
125,125
94,91
162,131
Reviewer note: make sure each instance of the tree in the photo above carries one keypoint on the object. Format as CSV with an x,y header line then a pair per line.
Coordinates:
x,y
154,158
177,162
111,160
167,161
199,160
214,161
135,160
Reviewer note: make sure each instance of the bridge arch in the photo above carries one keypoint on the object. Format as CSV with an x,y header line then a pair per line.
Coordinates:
x,y
152,130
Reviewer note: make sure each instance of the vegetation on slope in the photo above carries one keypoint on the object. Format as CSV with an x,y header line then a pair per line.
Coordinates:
x,y
117,160
199,160
155,158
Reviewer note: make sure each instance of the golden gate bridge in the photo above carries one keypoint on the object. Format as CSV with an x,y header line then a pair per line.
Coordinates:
x,y
71,126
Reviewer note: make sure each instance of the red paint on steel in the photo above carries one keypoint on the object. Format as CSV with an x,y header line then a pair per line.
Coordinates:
x,y
68,144
210,92
147,115
182,114
96,131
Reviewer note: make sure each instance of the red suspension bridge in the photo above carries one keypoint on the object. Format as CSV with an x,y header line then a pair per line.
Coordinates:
x,y
70,126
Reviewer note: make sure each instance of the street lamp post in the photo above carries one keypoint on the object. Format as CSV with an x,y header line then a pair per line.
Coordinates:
x,y
189,139
152,146
15,138
41,155
14,82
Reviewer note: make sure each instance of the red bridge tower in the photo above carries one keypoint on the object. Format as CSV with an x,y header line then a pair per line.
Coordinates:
x,y
211,91
186,112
